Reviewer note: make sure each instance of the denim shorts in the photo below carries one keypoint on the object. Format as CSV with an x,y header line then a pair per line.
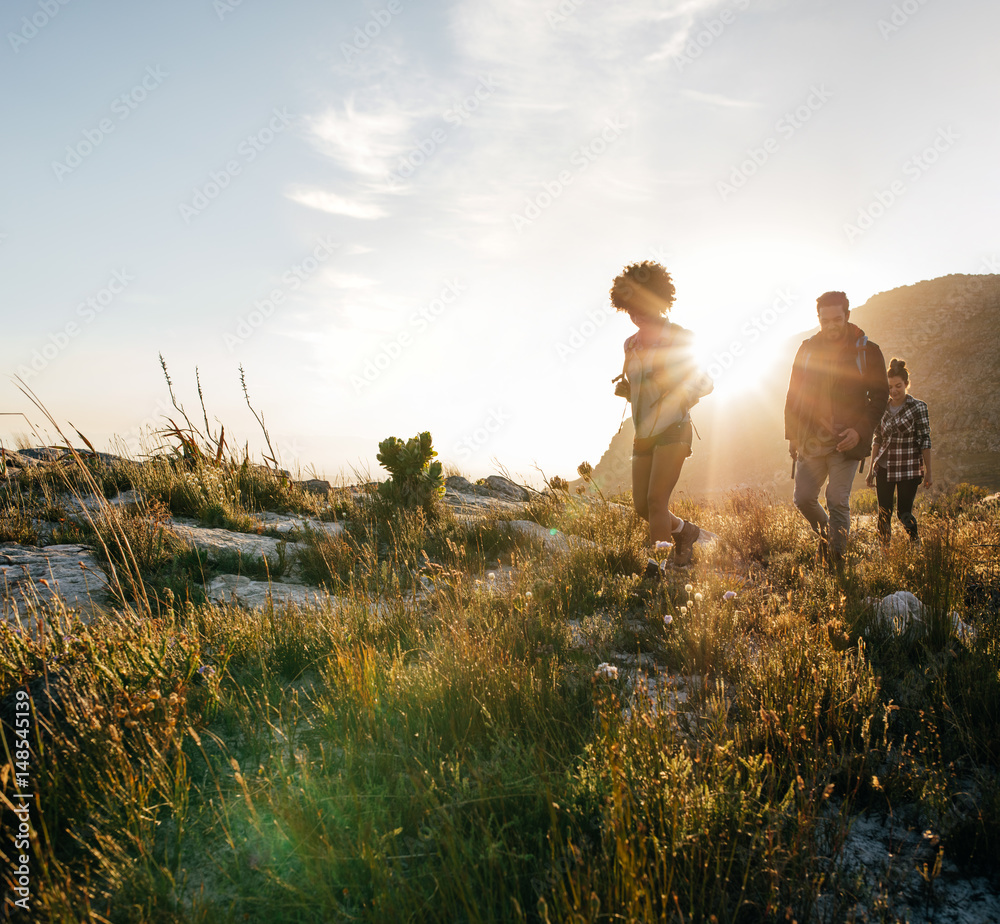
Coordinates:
x,y
680,432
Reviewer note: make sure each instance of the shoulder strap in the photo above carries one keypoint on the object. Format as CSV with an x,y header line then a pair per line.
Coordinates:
x,y
862,360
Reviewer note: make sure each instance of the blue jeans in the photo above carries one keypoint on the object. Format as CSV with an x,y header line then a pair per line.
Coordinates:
x,y
838,471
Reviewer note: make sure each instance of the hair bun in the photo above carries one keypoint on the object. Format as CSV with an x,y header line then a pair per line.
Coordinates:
x,y
897,369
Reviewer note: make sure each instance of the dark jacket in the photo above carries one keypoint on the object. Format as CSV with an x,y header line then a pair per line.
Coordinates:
x,y
854,373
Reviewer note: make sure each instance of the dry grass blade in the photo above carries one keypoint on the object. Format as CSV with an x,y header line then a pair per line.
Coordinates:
x,y
133,574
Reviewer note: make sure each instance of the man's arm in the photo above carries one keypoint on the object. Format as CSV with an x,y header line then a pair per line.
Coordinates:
x,y
793,400
877,387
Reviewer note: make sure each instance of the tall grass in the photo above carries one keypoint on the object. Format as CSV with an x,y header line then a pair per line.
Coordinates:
x,y
437,744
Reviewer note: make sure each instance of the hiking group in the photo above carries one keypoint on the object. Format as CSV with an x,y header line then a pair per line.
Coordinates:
x,y
842,406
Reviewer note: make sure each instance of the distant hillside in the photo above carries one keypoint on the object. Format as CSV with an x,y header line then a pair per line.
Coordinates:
x,y
947,330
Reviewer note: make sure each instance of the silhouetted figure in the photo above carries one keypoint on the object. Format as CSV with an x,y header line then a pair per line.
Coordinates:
x,y
836,395
662,383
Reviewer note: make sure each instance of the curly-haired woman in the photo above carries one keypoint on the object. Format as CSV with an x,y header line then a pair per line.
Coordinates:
x,y
663,384
901,454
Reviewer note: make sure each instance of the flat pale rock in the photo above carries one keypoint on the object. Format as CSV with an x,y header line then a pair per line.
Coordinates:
x,y
229,588
479,503
94,504
23,569
222,540
286,523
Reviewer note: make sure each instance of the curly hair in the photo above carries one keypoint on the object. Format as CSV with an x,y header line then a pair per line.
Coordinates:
x,y
645,287
897,370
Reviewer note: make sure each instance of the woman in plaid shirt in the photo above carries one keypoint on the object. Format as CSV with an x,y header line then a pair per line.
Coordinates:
x,y
901,454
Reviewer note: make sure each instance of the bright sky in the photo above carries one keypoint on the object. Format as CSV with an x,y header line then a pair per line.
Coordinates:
x,y
402,216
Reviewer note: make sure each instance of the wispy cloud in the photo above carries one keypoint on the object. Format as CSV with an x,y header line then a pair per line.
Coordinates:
x,y
362,141
717,99
558,76
336,204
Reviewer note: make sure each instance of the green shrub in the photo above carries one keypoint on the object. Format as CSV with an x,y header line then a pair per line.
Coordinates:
x,y
415,480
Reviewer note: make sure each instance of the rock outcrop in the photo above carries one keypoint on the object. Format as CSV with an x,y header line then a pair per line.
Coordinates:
x,y
32,578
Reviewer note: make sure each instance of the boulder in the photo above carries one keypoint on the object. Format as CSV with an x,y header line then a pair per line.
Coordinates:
x,y
903,614
94,504
495,493
222,540
460,485
32,577
233,588
42,454
505,489
315,486
286,523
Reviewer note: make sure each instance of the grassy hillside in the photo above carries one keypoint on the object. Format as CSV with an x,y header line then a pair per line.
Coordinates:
x,y
477,727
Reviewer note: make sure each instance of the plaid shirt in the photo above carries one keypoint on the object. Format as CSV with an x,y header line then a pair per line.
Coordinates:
x,y
899,440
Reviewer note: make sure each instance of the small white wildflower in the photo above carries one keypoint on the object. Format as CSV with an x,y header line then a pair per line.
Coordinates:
x,y
662,545
699,597
689,587
491,575
606,671
684,610
668,619
528,595
690,602
729,594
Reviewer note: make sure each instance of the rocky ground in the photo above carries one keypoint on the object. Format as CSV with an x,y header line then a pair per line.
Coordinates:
x,y
32,577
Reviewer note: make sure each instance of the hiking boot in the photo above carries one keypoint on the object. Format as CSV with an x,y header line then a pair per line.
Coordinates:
x,y
684,544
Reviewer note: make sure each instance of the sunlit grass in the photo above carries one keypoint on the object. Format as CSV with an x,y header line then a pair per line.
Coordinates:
x,y
433,743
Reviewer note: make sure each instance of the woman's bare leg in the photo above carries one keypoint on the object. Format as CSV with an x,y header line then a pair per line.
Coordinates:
x,y
641,466
664,471
653,480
